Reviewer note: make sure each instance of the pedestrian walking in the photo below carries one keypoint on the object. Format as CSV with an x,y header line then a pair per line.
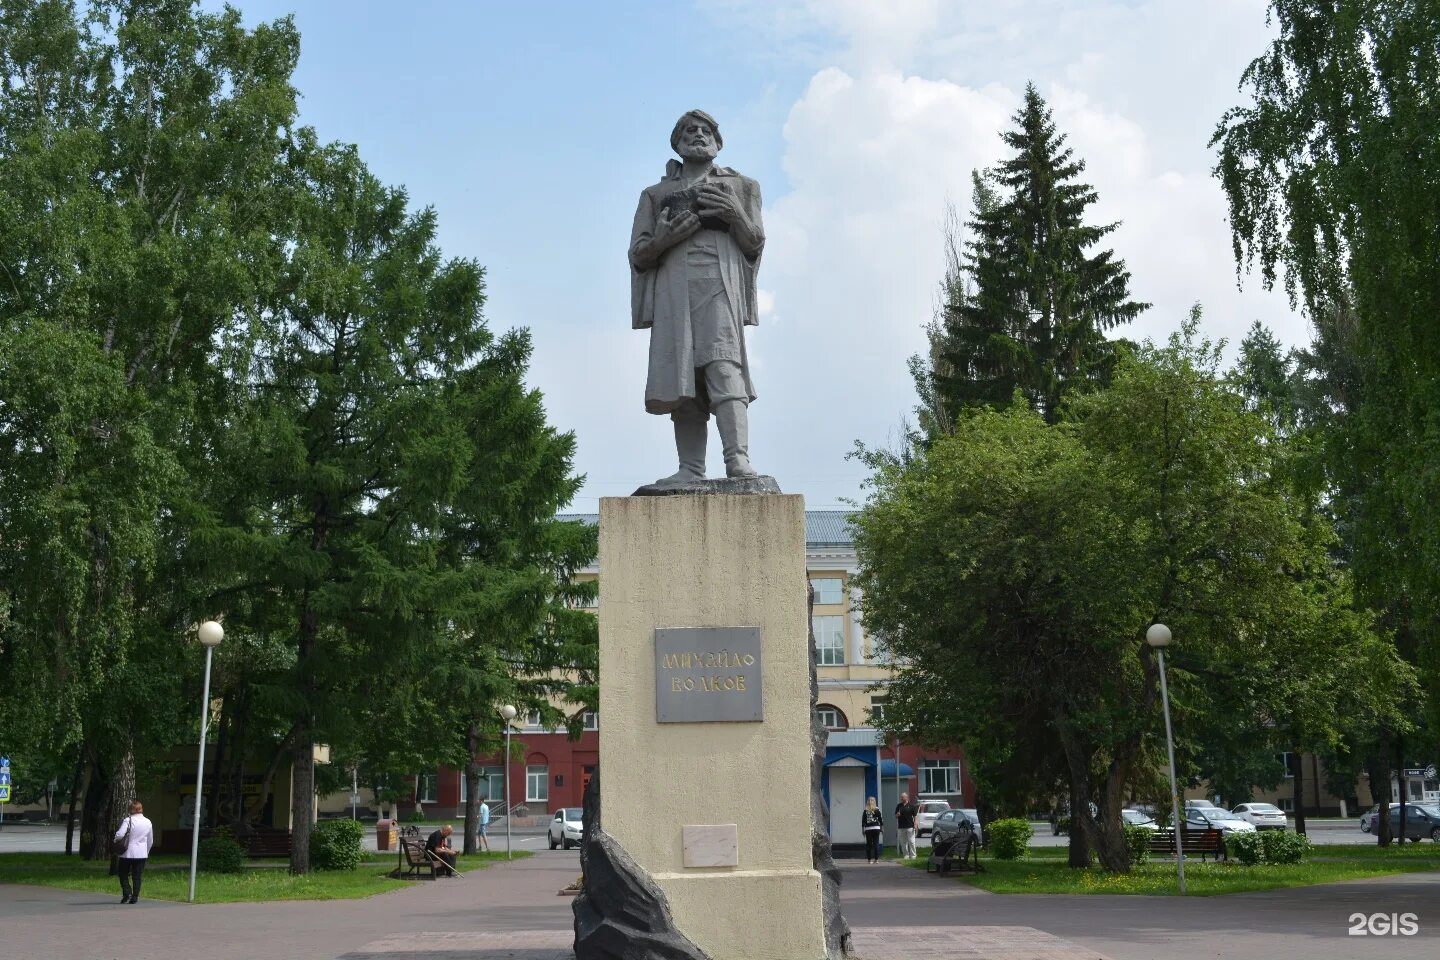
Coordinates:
x,y
133,842
905,813
484,825
872,822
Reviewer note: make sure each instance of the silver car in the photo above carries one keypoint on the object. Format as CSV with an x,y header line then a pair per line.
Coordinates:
x,y
1207,818
1263,816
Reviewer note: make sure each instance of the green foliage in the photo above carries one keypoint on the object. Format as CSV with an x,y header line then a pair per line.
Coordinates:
x,y
1248,848
221,853
1013,567
238,378
1282,846
1330,173
1137,841
1009,838
413,816
336,845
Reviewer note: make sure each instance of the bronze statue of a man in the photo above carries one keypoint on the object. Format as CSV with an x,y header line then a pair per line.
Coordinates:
x,y
694,252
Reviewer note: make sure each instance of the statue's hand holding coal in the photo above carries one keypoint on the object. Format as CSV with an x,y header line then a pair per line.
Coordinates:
x,y
694,254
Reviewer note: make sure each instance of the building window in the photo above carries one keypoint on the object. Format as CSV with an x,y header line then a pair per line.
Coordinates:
x,y
590,720
428,788
877,709
532,720
537,783
831,717
1286,803
829,589
829,640
1287,763
492,785
940,776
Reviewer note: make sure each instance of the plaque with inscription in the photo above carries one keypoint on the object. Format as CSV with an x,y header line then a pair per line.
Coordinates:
x,y
707,674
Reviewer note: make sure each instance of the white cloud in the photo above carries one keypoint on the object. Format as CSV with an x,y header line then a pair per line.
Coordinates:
x,y
891,128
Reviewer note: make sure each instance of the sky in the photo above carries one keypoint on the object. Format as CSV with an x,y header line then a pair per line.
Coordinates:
x,y
531,128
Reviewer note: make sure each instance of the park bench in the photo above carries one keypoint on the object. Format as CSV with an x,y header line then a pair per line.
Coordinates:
x,y
415,857
962,856
1202,842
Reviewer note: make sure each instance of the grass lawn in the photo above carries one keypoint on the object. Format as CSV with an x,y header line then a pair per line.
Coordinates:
x,y
1048,873
168,878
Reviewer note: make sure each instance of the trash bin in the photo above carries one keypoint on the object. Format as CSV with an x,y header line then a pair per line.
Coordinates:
x,y
386,835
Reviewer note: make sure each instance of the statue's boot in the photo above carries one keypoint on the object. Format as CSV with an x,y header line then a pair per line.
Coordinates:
x,y
733,419
690,434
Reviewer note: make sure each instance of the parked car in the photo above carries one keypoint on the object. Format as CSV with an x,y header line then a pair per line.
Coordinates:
x,y
1200,805
1421,820
1264,816
566,828
973,815
948,826
1137,818
1208,818
929,810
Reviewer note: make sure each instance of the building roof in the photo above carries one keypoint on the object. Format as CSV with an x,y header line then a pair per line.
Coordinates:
x,y
828,528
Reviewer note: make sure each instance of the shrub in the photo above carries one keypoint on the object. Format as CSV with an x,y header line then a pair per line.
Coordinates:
x,y
414,816
1248,848
520,810
1282,846
1062,826
336,845
1137,839
1009,838
221,853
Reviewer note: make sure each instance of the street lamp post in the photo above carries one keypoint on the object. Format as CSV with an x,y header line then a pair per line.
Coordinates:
x,y
507,713
211,633
1158,636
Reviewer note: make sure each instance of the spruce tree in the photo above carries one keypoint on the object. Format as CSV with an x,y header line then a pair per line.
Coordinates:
x,y
1034,316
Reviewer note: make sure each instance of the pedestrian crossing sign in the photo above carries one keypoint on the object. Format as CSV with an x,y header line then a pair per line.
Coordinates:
x,y
5,793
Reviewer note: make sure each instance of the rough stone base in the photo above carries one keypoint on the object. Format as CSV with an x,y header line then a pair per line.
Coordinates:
x,y
621,914
718,485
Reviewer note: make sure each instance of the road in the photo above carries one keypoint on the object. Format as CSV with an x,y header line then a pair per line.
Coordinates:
x,y
897,913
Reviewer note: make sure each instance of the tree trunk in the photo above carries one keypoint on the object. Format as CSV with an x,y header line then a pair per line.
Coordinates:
x,y
1079,839
75,785
1380,789
1299,791
119,792
472,791
302,801
1400,775
96,791
214,767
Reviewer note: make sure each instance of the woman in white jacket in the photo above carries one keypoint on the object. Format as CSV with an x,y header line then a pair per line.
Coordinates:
x,y
139,836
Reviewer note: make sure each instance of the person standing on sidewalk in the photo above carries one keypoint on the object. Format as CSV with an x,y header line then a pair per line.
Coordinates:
x,y
872,823
484,825
138,835
905,814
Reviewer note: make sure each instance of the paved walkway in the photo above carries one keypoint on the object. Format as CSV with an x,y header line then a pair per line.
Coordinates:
x,y
513,912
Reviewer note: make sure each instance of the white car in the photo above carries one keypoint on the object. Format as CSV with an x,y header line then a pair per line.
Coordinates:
x,y
1200,805
1263,816
925,819
1136,818
566,828
1206,818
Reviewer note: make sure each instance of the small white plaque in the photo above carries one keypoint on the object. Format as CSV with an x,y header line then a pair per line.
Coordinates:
x,y
713,845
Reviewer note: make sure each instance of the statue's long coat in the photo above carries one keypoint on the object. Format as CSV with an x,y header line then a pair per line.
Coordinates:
x,y
660,295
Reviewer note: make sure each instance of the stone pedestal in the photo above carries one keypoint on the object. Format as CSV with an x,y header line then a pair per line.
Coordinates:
x,y
716,811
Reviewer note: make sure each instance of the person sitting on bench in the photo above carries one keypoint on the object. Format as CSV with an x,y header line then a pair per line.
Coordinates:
x,y
438,846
